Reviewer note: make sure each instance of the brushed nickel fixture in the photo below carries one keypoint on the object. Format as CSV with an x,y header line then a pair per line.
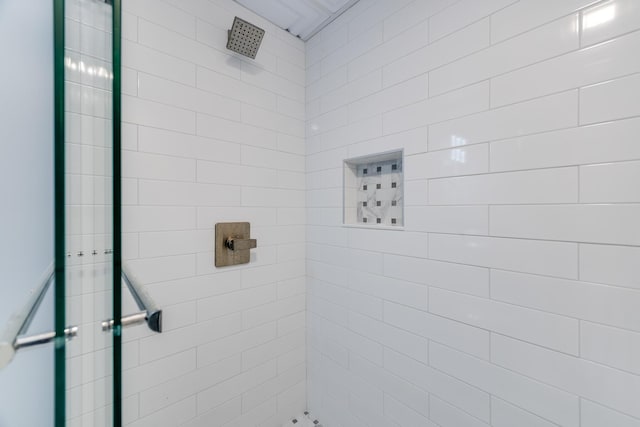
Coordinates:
x,y
244,38
233,243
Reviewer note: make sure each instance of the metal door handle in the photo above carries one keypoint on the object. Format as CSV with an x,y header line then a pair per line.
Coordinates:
x,y
149,314
8,349
46,337
11,339
130,320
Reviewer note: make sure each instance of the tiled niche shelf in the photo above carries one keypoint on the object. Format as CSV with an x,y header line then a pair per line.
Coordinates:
x,y
373,191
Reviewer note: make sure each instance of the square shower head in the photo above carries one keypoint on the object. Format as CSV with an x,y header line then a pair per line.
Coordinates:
x,y
244,38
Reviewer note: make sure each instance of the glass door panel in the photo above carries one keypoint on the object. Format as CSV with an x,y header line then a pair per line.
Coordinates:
x,y
26,206
58,222
89,210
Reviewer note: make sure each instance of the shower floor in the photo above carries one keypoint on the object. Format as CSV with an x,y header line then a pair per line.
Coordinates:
x,y
303,420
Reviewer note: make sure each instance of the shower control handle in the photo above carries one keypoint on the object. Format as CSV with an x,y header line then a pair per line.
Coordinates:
x,y
236,244
233,243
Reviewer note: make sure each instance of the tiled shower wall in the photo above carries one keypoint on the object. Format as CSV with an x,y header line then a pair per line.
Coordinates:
x,y
210,137
511,296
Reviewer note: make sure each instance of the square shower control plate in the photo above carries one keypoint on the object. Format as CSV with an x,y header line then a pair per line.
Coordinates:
x,y
233,243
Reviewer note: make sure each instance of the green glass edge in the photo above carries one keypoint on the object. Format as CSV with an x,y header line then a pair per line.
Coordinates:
x,y
117,213
59,214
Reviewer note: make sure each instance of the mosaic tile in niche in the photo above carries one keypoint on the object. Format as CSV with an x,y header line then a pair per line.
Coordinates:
x,y
378,197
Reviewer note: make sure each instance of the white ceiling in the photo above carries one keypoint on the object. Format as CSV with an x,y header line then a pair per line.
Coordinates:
x,y
302,18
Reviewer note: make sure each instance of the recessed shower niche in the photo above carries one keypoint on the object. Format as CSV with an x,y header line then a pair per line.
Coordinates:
x,y
373,190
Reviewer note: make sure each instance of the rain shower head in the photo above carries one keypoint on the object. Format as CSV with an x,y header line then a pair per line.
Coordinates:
x,y
244,38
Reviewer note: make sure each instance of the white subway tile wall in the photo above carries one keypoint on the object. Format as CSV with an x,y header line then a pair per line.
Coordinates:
x,y
511,296
509,299
211,137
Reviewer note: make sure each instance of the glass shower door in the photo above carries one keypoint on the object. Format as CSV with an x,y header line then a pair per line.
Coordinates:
x,y
89,209
26,208
60,251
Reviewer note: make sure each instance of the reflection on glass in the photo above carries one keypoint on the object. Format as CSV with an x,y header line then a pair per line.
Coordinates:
x,y
457,141
458,155
598,16
92,71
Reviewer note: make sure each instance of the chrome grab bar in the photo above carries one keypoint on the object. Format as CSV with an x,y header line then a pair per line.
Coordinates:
x,y
43,338
149,313
10,340
130,320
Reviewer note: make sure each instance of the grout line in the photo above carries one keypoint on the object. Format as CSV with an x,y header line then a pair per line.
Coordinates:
x,y
579,94
578,260
580,338
580,410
